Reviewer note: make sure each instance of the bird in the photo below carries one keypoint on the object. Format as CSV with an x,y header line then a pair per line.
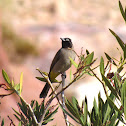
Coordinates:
x,y
60,63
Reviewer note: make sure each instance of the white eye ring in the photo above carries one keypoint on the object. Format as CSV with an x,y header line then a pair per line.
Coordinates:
x,y
67,39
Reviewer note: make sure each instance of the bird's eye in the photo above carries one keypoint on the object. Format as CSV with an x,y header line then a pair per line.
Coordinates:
x,y
67,39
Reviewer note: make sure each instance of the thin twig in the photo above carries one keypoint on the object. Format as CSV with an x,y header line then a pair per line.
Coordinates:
x,y
99,80
11,121
49,82
55,94
50,100
63,98
31,110
45,110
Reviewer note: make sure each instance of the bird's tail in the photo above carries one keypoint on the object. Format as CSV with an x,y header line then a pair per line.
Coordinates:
x,y
45,91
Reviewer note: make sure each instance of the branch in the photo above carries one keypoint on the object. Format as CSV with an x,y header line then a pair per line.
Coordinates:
x,y
63,99
55,94
50,100
99,80
31,110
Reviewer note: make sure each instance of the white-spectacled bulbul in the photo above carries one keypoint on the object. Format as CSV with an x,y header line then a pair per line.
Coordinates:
x,y
60,63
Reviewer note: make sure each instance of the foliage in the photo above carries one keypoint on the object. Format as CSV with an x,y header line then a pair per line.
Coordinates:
x,y
29,114
104,113
25,116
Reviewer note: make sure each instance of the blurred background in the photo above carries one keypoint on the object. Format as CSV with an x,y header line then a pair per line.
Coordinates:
x,y
30,32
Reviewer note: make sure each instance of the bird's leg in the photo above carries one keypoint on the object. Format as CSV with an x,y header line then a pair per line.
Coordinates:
x,y
63,75
63,97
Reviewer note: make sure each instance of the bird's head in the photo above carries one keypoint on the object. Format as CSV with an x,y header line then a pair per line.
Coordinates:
x,y
66,43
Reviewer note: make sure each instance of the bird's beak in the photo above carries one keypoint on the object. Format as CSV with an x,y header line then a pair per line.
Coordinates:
x,y
62,39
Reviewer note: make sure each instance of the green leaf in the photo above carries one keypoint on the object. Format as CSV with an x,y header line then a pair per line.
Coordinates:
x,y
113,106
75,103
41,79
17,87
71,75
123,97
17,117
16,112
42,107
70,115
23,106
95,106
51,114
102,66
122,11
125,103
20,124
45,73
113,119
6,78
120,69
110,59
46,121
89,58
107,114
110,86
21,81
100,108
32,103
73,62
2,124
85,112
13,83
72,109
44,80
125,52
121,43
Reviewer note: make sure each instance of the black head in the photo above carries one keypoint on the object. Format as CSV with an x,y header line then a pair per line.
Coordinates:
x,y
66,43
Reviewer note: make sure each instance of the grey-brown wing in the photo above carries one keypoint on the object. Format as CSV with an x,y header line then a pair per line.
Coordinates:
x,y
55,59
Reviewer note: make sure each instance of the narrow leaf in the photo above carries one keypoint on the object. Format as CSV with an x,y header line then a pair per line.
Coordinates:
x,y
109,86
46,121
2,124
75,103
122,11
13,83
51,114
32,103
85,112
110,59
89,58
72,117
107,114
17,117
16,112
21,82
111,103
125,52
73,62
72,109
71,75
6,78
19,124
113,119
102,66
95,106
44,80
124,86
121,43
